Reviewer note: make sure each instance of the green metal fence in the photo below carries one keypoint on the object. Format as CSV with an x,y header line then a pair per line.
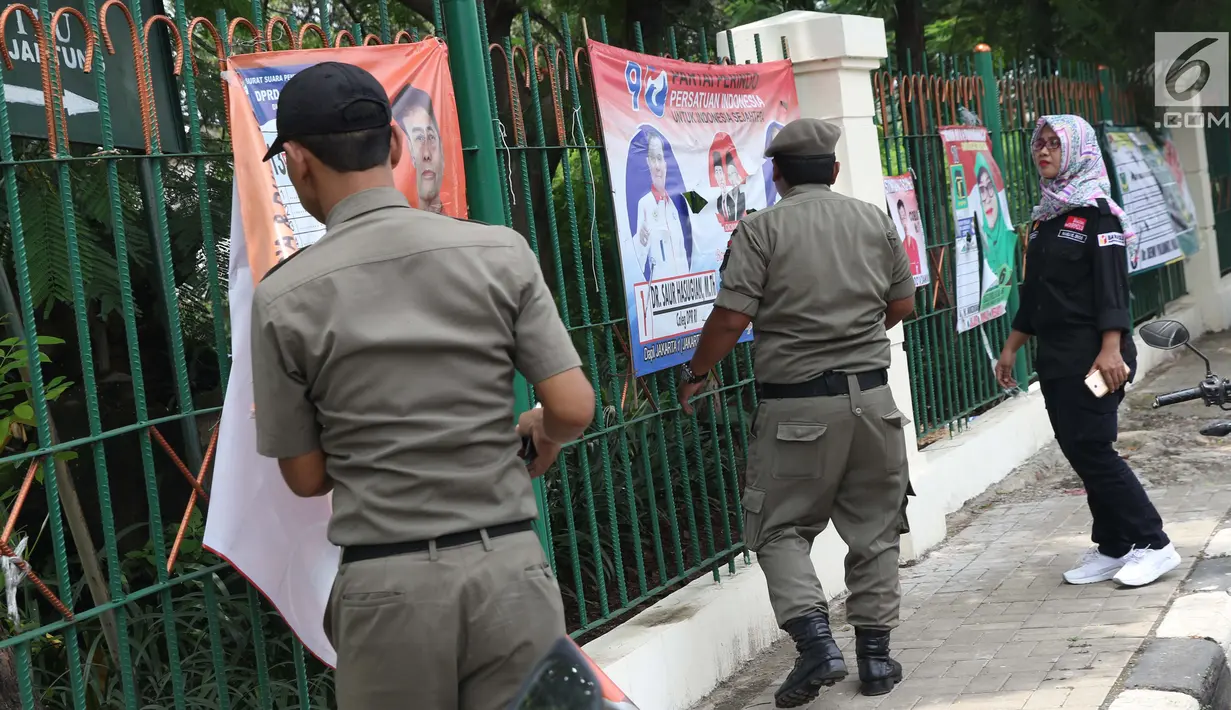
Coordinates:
x,y
650,497
951,373
118,259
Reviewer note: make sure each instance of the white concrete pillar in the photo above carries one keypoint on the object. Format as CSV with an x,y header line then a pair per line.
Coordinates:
x,y
834,57
1202,272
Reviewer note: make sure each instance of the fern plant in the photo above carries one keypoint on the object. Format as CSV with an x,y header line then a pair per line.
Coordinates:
x,y
42,217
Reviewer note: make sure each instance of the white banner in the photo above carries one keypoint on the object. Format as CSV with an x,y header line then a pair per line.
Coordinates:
x,y
274,538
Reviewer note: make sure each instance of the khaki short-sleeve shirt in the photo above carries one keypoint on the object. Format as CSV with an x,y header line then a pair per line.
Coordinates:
x,y
391,345
815,273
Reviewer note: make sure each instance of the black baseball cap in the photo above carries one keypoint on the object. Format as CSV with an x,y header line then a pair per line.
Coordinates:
x,y
330,97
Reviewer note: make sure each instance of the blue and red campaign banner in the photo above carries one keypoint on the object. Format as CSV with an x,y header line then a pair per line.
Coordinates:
x,y
673,129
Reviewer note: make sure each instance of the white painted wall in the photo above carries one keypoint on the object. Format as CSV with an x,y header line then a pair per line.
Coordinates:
x,y
673,654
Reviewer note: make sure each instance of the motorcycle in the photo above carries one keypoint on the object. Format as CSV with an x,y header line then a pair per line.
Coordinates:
x,y
566,679
1214,391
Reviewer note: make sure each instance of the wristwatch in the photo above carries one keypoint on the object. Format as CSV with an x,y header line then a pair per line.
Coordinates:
x,y
691,377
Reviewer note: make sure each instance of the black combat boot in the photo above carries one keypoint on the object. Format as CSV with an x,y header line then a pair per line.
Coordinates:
x,y
819,664
878,673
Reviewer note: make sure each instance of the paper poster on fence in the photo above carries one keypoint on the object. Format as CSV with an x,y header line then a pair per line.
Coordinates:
x,y
904,209
274,538
986,244
671,128
1157,242
1164,162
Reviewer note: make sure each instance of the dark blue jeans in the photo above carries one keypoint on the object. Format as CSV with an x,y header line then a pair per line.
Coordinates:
x,y
1086,427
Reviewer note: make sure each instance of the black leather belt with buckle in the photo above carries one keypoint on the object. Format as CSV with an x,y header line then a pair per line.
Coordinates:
x,y
359,553
829,384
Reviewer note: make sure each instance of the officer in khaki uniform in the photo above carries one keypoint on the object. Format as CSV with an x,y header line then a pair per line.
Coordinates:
x,y
383,364
821,276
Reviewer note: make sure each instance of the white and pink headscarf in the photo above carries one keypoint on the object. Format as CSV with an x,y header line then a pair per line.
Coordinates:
x,y
1082,180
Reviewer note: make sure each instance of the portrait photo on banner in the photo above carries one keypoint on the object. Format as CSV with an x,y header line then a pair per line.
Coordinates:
x,y
685,146
904,211
986,244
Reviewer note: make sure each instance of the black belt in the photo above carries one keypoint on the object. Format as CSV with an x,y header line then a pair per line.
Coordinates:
x,y
359,553
829,384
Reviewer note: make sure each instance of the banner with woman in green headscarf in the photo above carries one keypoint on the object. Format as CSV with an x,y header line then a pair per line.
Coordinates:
x,y
986,249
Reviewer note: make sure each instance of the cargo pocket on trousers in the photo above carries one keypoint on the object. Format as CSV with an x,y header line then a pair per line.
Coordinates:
x,y
903,520
797,450
752,502
895,440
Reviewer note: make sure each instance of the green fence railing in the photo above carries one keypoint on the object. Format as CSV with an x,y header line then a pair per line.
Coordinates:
x,y
114,264
650,497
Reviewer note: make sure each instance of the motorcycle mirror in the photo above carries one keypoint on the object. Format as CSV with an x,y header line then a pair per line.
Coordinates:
x,y
1219,428
1164,334
566,679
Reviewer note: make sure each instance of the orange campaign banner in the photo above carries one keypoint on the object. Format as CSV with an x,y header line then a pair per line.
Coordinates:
x,y
275,539
416,77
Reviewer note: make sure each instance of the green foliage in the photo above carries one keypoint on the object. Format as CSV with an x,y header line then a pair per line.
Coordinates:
x,y
742,12
43,232
17,409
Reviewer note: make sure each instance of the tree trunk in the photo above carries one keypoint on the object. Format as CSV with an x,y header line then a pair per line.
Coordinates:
x,y
1040,23
652,17
910,39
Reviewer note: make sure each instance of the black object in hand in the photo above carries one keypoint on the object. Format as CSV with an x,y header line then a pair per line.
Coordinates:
x,y
527,451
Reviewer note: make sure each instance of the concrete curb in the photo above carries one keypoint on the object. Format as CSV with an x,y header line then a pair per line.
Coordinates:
x,y
1183,666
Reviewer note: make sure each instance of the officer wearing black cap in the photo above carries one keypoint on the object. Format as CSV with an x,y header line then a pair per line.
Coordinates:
x,y
821,277
383,363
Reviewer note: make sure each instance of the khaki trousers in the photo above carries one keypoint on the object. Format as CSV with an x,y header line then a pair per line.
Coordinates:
x,y
449,629
821,459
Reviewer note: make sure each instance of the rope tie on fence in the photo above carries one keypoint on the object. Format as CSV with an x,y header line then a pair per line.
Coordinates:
x,y
13,576
9,556
579,138
504,143
12,562
192,500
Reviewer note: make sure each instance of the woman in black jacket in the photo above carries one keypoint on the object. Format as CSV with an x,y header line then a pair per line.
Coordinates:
x,y
1075,302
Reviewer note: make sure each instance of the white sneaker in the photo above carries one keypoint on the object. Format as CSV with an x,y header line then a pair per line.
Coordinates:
x,y
1144,566
1093,567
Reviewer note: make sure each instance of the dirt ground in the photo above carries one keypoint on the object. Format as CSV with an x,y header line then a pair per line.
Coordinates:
x,y
1164,447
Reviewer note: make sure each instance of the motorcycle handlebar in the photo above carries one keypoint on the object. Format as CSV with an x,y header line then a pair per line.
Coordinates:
x,y
1170,398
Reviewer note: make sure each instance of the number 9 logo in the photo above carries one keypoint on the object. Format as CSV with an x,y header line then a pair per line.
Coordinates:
x,y
632,79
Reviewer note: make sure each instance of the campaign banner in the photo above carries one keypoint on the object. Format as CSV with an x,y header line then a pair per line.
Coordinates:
x,y
986,242
904,209
1157,242
274,538
671,129
416,77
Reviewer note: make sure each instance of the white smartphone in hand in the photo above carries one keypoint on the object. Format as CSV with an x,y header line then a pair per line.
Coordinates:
x,y
1096,384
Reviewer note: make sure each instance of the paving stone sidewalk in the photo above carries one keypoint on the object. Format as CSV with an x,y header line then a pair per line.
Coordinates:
x,y
990,624
988,621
